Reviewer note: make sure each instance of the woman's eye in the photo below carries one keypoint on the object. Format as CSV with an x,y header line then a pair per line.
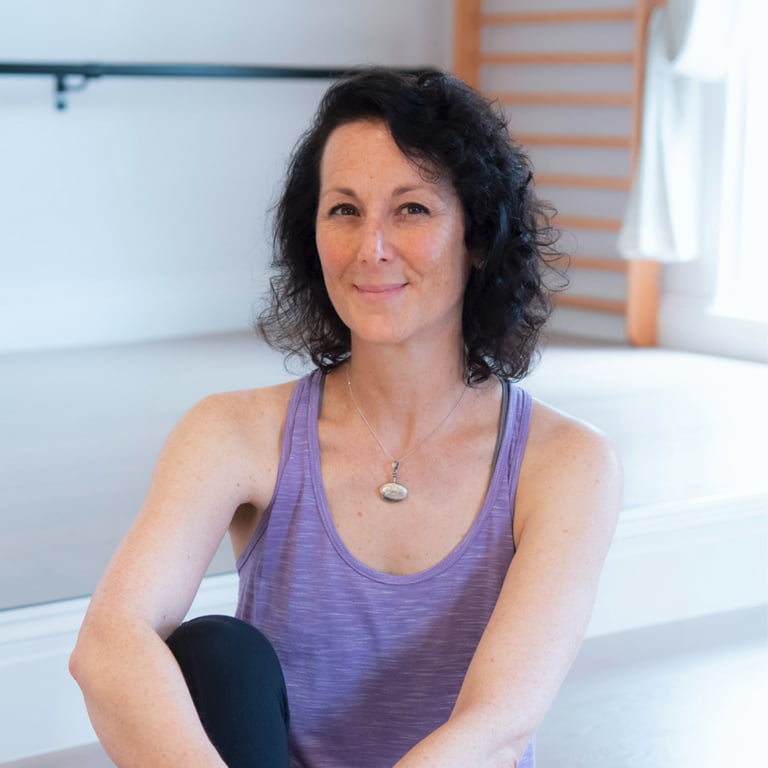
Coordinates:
x,y
343,209
414,208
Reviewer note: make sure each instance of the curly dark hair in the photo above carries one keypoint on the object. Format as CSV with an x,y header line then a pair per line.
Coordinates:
x,y
442,125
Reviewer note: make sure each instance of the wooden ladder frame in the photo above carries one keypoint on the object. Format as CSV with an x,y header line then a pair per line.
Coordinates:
x,y
640,306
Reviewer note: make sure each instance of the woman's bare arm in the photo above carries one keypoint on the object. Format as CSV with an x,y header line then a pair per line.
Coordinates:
x,y
136,696
566,510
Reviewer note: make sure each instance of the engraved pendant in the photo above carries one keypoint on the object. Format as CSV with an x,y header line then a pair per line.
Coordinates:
x,y
393,492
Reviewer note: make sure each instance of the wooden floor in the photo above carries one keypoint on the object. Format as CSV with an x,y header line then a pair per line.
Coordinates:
x,y
687,695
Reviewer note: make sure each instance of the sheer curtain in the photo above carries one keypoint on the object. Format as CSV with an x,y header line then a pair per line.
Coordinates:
x,y
690,45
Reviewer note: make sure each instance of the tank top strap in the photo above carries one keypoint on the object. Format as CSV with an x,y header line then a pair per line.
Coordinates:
x,y
516,421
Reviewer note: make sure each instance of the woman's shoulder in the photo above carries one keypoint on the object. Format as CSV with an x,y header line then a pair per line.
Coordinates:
x,y
553,430
564,455
262,403
251,418
232,439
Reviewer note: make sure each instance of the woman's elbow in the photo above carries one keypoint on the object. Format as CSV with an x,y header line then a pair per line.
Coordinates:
x,y
75,663
82,657
96,648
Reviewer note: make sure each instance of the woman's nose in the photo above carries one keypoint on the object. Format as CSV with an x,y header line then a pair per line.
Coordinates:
x,y
376,245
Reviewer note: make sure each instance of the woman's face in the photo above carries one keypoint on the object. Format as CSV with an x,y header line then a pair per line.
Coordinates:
x,y
391,243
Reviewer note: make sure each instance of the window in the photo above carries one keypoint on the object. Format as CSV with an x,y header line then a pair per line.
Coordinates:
x,y
743,247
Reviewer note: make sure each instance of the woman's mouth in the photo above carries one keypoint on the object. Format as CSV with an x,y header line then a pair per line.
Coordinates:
x,y
379,292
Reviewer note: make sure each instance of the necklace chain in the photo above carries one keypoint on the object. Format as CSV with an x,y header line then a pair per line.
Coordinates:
x,y
396,462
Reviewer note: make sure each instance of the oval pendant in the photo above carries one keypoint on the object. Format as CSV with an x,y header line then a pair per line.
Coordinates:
x,y
393,492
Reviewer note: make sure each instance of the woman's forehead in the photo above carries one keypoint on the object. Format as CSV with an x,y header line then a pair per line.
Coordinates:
x,y
367,145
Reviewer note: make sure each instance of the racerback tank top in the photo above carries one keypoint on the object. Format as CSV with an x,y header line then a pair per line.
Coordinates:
x,y
373,662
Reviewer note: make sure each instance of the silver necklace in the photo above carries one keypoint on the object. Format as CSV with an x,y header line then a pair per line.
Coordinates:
x,y
394,491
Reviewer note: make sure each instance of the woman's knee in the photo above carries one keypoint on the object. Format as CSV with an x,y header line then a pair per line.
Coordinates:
x,y
227,654
236,682
222,638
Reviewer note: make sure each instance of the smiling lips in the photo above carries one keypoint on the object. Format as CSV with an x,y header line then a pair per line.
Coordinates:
x,y
380,292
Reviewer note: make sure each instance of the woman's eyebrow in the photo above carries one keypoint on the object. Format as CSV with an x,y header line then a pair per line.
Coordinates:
x,y
406,190
339,191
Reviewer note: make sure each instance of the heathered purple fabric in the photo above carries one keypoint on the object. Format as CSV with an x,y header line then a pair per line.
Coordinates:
x,y
373,662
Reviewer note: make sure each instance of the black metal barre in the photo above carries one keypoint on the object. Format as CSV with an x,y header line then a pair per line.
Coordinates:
x,y
62,71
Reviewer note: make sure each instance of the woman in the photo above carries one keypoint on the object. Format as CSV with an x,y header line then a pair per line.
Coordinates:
x,y
417,539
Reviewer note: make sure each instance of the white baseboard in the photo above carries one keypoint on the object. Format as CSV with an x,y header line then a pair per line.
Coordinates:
x,y
668,563
672,562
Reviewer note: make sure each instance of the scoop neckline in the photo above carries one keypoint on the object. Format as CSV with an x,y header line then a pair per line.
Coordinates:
x,y
316,477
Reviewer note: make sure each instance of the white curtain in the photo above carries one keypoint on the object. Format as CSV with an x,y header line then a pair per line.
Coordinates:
x,y
690,43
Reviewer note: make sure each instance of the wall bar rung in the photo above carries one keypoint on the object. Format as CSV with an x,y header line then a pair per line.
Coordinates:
x,y
563,99
616,183
588,222
556,58
597,15
609,306
568,140
593,263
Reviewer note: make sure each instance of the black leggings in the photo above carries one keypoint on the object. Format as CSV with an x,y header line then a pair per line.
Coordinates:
x,y
236,682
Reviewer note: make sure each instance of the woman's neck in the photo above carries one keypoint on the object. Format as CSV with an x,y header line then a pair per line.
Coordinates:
x,y
402,394
409,371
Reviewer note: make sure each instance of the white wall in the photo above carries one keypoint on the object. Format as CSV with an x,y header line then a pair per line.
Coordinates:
x,y
139,212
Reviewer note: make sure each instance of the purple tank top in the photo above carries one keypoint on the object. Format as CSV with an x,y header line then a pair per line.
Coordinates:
x,y
373,662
